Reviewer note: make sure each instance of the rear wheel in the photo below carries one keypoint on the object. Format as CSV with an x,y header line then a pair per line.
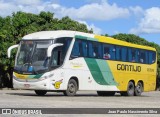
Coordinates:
x,y
130,90
40,92
138,89
72,88
106,93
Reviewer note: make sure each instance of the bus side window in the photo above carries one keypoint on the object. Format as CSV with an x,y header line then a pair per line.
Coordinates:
x,y
90,49
56,57
100,51
106,51
84,49
136,55
97,50
112,52
133,55
118,53
146,57
124,54
152,57
142,58
76,49
130,57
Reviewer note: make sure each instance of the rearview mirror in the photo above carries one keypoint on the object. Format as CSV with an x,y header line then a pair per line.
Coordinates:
x,y
51,47
10,49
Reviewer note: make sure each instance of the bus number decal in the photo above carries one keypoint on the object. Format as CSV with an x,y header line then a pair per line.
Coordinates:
x,y
150,70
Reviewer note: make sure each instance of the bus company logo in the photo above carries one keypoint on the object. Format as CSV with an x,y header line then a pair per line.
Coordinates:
x,y
76,65
124,67
6,111
57,84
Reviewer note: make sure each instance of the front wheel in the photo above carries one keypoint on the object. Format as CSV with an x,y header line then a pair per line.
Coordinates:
x,y
40,92
72,88
130,90
138,89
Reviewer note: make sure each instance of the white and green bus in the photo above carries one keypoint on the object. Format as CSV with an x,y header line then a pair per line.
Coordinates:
x,y
70,61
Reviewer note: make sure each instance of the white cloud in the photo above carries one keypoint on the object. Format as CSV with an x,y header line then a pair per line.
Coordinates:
x,y
27,2
93,11
150,23
96,30
137,10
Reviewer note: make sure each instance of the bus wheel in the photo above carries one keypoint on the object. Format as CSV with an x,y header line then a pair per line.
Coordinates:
x,y
106,93
40,92
130,90
72,88
138,89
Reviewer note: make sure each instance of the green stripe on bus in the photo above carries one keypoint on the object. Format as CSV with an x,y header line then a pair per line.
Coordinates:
x,y
95,71
85,38
106,72
80,37
35,76
92,39
38,76
100,71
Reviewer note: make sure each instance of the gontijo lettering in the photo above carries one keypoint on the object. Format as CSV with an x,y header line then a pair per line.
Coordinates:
x,y
125,67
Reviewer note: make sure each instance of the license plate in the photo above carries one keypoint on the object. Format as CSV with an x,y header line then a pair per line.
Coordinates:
x,y
26,85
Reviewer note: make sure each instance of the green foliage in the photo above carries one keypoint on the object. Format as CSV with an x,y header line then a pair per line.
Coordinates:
x,y
13,28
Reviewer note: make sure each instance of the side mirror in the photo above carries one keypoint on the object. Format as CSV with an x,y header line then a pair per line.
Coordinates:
x,y
51,47
10,49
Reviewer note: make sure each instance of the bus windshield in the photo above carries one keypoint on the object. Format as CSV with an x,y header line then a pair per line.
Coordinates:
x,y
32,56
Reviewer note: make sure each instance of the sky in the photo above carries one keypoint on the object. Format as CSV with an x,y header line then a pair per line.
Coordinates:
x,y
139,17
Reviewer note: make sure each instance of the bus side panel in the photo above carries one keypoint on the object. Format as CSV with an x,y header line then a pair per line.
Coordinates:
x,y
102,74
124,72
77,68
92,74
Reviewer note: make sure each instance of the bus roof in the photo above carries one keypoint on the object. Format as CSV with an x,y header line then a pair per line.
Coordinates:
x,y
121,43
54,34
64,33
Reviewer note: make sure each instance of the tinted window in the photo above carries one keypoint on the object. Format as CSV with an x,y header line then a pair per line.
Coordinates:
x,y
124,54
76,48
152,57
118,53
133,55
84,49
106,51
142,56
95,49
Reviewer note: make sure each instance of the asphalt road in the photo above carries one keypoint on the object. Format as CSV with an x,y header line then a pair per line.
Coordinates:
x,y
83,99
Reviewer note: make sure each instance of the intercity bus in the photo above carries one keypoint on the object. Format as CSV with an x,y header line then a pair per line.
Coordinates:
x,y
71,61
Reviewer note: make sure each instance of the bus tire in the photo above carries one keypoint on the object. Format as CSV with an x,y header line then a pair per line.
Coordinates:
x,y
40,92
138,89
71,88
130,90
106,93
